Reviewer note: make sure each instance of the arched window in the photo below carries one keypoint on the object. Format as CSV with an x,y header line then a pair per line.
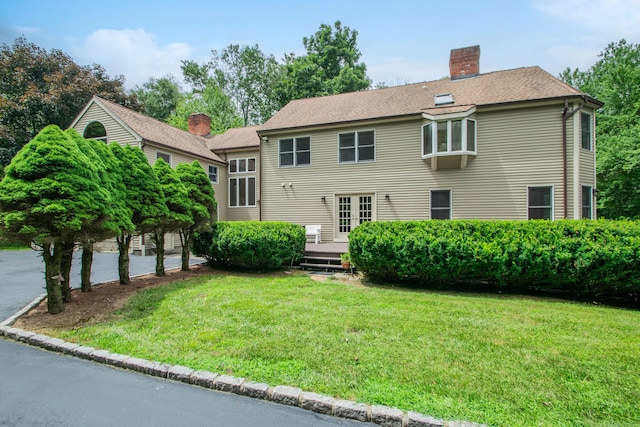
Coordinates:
x,y
95,130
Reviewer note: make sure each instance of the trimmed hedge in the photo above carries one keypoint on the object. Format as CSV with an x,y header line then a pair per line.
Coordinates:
x,y
581,258
251,244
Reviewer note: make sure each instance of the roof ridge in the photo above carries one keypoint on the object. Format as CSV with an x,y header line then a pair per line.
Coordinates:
x,y
159,132
149,118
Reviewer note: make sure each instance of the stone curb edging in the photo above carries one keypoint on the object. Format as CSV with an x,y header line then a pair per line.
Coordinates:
x,y
33,304
382,415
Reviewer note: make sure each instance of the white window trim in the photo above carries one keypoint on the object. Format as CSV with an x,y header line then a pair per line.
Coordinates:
x,y
295,156
217,173
553,192
104,138
590,187
158,152
357,146
255,197
591,127
463,136
450,201
246,159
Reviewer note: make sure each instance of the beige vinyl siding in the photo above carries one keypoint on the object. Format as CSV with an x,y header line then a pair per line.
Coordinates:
x,y
516,148
587,171
241,213
115,130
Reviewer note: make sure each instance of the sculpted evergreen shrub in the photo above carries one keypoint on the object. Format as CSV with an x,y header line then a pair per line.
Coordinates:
x,y
581,258
50,193
251,244
203,204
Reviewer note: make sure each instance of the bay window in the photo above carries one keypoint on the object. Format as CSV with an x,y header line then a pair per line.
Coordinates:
x,y
449,137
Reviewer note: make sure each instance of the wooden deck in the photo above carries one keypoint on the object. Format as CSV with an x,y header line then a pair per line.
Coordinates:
x,y
331,247
324,256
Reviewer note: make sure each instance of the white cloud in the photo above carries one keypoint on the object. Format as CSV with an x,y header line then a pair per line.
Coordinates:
x,y
133,53
614,17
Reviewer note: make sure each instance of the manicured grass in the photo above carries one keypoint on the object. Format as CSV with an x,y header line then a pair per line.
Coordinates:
x,y
501,360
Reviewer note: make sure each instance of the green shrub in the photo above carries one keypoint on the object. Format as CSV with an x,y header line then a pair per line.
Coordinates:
x,y
252,244
581,258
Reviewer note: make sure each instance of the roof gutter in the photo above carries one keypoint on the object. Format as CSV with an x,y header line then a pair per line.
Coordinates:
x,y
144,142
566,115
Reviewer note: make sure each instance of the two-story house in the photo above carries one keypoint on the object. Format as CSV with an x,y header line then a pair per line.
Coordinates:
x,y
513,144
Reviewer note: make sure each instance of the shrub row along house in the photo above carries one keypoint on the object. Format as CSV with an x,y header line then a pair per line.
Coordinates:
x,y
513,144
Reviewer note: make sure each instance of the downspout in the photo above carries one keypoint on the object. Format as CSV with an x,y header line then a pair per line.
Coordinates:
x,y
260,179
566,115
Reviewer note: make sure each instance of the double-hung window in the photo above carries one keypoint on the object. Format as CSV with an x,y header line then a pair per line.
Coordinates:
x,y
456,136
587,202
540,203
242,182
586,134
295,152
213,174
356,147
440,204
164,156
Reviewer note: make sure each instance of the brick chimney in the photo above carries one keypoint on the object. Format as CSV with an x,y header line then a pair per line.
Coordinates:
x,y
199,124
464,62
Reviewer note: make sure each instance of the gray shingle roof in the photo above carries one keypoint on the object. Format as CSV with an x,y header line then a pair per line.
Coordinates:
x,y
509,86
160,133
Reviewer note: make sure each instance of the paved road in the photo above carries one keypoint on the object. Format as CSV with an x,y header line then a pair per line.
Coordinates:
x,y
40,388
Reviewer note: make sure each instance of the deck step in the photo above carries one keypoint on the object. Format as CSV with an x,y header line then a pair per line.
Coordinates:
x,y
323,258
323,266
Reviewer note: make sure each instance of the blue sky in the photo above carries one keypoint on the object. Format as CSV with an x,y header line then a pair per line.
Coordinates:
x,y
401,41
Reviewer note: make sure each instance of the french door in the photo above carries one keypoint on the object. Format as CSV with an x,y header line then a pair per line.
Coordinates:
x,y
351,211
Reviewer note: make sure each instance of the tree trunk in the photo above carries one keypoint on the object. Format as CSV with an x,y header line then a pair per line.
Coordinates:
x,y
65,269
185,239
85,271
158,238
55,303
124,242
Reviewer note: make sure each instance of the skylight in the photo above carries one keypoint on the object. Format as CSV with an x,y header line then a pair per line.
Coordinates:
x,y
443,98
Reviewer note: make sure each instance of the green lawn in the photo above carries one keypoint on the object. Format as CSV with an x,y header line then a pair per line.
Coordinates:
x,y
501,360
6,245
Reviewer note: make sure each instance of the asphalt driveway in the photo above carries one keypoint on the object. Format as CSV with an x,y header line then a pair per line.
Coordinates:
x,y
41,388
22,274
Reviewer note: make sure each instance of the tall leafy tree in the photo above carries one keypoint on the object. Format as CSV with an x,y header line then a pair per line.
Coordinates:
x,y
202,207
248,76
211,101
40,87
331,66
245,74
159,96
49,193
615,80
178,215
144,200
